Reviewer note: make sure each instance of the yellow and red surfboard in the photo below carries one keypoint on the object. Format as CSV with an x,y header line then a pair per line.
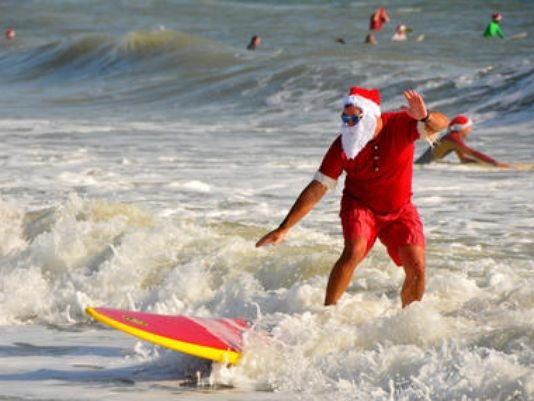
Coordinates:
x,y
218,339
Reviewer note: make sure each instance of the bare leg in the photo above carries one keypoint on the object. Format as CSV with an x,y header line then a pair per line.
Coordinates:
x,y
341,274
413,262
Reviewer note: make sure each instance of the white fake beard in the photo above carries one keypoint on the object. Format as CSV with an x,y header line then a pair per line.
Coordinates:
x,y
354,139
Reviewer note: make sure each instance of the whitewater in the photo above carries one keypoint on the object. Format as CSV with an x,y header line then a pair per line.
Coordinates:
x,y
145,151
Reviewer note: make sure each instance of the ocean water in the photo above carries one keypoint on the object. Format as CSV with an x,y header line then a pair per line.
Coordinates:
x,y
145,151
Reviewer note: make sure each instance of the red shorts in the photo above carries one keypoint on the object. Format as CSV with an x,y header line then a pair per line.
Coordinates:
x,y
403,227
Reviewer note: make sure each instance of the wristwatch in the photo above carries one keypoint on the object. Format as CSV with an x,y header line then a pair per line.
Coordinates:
x,y
425,119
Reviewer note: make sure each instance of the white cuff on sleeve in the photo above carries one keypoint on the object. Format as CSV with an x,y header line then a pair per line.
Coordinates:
x,y
328,182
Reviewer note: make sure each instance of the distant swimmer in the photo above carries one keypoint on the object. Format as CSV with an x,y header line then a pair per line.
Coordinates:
x,y
378,19
255,41
400,33
458,130
493,29
370,39
10,33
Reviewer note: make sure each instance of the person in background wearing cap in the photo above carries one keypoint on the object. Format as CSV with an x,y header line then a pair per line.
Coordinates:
x,y
376,151
494,29
459,129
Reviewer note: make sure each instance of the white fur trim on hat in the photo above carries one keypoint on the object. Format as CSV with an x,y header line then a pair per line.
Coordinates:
x,y
460,127
367,106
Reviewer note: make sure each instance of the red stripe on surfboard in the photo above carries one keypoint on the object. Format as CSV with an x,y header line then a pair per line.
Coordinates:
x,y
215,333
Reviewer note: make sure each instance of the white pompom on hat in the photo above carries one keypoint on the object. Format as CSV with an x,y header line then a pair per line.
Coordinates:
x,y
368,100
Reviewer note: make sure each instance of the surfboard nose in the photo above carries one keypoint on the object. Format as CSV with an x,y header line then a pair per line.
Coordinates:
x,y
217,339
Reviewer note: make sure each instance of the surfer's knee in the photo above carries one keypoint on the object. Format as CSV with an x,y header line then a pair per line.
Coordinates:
x,y
413,261
417,267
354,251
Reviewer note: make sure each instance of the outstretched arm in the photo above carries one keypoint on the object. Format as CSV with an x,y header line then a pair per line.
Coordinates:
x,y
468,155
307,199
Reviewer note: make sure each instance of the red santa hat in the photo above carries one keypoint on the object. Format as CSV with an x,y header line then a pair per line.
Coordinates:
x,y
459,123
368,100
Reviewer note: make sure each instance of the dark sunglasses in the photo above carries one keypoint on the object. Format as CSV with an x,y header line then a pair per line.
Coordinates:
x,y
354,118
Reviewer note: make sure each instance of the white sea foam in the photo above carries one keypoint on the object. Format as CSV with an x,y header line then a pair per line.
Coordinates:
x,y
142,178
192,251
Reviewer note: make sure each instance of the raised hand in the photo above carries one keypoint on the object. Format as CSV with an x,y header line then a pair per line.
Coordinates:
x,y
416,107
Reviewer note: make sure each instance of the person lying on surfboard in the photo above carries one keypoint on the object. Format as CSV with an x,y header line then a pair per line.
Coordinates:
x,y
458,130
376,151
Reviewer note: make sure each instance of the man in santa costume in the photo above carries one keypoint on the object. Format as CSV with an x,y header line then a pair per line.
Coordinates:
x,y
375,150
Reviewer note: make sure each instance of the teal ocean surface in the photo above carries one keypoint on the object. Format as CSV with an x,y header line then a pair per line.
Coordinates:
x,y
145,151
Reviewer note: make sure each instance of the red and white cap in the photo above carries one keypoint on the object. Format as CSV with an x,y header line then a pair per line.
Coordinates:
x,y
459,123
368,100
